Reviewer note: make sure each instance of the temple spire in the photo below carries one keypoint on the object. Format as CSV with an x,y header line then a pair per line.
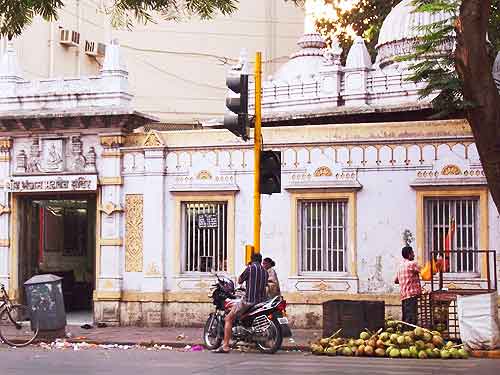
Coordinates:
x,y
9,65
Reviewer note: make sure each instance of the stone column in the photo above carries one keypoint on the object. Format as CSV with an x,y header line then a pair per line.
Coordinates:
x,y
110,237
154,234
5,215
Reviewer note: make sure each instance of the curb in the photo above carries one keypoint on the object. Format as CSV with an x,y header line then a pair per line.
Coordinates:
x,y
491,354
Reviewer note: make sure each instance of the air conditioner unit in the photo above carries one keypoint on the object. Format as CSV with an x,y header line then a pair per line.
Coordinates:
x,y
69,38
94,48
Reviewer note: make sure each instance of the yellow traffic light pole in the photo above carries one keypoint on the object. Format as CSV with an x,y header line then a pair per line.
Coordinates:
x,y
257,149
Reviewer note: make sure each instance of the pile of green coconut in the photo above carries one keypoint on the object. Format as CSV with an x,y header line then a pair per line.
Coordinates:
x,y
392,342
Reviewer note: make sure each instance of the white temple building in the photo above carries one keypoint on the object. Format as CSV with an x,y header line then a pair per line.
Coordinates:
x,y
118,212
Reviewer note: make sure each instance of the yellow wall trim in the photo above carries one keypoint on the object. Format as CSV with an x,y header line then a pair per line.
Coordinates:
x,y
107,296
4,242
4,158
111,154
111,180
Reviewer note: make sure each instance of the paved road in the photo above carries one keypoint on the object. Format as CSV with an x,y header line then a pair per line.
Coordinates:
x,y
37,361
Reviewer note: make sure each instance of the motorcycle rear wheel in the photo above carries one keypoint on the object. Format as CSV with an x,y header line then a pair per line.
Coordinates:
x,y
272,345
210,337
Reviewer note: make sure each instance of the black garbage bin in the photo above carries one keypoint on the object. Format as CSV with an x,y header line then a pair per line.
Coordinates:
x,y
44,296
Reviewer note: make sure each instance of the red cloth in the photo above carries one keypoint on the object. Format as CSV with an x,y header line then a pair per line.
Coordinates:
x,y
409,279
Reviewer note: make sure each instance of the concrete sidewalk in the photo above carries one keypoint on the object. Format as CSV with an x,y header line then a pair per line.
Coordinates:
x,y
171,336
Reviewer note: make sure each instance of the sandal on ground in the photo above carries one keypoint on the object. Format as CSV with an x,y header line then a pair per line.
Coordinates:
x,y
221,349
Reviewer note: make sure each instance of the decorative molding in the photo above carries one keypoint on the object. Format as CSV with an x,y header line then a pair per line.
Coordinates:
x,y
204,175
152,139
331,285
217,183
109,208
323,172
4,209
346,180
134,222
110,181
5,158
112,141
4,242
451,169
111,242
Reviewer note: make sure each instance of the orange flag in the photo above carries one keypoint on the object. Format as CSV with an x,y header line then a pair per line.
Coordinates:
x,y
448,242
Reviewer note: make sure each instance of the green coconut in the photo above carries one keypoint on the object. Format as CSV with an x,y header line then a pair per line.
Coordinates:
x,y
408,340
413,350
464,354
390,330
379,352
429,352
380,344
449,344
364,335
401,340
419,332
427,337
394,353
429,345
359,342
422,354
384,336
405,353
316,349
388,350
420,344
331,351
455,353
445,354
351,342
394,338
436,353
347,351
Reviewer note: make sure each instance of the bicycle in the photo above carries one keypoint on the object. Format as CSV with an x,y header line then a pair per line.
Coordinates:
x,y
18,327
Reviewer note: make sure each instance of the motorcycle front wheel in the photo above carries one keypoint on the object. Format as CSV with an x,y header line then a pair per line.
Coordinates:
x,y
274,339
210,333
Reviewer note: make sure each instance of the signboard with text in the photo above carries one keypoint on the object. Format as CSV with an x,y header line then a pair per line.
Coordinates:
x,y
26,184
208,221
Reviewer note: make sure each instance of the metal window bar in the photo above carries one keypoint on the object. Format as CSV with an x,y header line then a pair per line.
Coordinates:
x,y
322,236
438,217
205,248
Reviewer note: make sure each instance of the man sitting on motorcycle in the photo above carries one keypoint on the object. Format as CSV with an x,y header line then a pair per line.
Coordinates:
x,y
255,277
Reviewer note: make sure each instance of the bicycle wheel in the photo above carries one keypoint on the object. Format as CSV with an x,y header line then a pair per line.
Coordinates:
x,y
17,328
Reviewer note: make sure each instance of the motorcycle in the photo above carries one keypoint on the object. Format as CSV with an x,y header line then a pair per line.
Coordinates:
x,y
263,324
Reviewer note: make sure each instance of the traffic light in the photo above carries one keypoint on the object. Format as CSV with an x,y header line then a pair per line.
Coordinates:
x,y
270,172
237,121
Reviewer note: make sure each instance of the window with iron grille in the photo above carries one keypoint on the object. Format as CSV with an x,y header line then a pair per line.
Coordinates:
x,y
452,224
323,235
204,236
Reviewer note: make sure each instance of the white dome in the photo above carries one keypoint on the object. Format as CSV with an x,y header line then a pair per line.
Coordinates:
x,y
401,27
305,64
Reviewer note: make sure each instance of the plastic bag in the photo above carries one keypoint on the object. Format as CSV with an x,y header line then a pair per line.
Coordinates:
x,y
478,321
